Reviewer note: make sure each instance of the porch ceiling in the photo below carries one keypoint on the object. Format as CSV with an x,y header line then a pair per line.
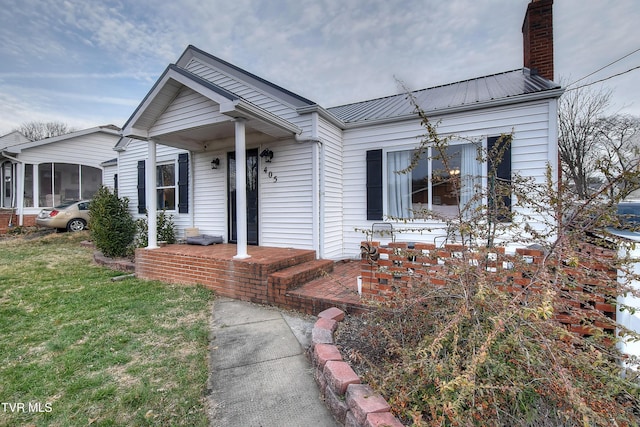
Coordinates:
x,y
199,139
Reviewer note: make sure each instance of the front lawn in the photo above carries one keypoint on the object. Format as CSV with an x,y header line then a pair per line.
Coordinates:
x,y
79,349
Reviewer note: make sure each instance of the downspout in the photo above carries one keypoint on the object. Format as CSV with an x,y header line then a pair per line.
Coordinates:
x,y
554,154
16,190
317,185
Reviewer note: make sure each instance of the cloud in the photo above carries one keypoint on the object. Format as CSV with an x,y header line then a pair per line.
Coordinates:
x,y
140,75
328,51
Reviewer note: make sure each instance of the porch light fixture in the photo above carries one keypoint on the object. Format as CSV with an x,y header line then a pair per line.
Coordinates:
x,y
215,163
267,155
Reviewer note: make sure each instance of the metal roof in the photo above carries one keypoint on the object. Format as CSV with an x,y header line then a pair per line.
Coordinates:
x,y
465,94
282,93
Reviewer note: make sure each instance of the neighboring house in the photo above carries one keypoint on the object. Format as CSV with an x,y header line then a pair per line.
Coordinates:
x,y
44,173
314,176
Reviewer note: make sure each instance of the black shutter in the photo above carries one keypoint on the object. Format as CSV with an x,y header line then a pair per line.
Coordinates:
x,y
374,185
183,183
500,173
142,195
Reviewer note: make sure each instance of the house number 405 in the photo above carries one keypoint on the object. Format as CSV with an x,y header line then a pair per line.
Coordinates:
x,y
270,174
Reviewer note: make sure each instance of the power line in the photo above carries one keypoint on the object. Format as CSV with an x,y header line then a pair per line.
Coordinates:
x,y
602,68
601,80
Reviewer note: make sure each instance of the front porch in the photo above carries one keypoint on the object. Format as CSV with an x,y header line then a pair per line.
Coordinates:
x,y
284,277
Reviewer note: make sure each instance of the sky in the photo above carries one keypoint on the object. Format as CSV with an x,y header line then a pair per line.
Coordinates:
x,y
88,63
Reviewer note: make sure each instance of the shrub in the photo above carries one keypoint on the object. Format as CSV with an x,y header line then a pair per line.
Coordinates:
x,y
112,226
166,229
464,345
473,352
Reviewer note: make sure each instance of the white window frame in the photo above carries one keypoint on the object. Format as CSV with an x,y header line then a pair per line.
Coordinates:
x,y
482,172
174,186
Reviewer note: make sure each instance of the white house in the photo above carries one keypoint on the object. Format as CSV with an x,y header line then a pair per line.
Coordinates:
x,y
44,173
314,176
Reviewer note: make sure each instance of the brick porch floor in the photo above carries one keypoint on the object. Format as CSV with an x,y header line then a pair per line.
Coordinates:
x,y
338,287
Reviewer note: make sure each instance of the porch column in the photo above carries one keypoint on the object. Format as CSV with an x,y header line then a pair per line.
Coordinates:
x,y
241,190
19,192
152,196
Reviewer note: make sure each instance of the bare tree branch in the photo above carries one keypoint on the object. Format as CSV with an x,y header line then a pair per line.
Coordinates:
x,y
36,131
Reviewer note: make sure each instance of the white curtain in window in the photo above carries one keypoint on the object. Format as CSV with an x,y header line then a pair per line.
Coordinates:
x,y
399,185
470,174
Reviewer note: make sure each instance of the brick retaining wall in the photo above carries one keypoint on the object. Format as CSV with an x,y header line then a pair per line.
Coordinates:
x,y
239,279
352,403
398,266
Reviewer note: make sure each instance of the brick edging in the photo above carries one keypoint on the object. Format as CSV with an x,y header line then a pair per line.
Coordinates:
x,y
352,403
119,264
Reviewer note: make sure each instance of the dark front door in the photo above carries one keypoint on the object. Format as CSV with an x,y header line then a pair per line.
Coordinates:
x,y
252,197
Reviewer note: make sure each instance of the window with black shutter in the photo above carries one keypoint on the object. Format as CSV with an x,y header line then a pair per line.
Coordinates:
x,y
183,183
166,185
499,177
374,185
142,195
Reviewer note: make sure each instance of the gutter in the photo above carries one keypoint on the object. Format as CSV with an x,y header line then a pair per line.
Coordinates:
x,y
314,138
315,108
8,156
317,183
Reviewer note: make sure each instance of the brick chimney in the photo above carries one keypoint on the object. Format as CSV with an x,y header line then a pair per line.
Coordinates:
x,y
537,37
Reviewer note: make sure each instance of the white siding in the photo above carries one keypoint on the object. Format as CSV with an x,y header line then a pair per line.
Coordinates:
x,y
243,89
210,193
332,178
108,176
89,150
530,155
286,203
128,172
189,109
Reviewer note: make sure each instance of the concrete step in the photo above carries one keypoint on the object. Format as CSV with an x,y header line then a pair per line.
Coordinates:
x,y
299,274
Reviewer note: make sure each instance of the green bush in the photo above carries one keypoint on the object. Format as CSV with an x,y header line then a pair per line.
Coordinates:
x,y
166,229
112,226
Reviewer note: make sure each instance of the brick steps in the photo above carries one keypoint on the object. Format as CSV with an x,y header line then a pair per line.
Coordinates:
x,y
285,277
295,276
292,261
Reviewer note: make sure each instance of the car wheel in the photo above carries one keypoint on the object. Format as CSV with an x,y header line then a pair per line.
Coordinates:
x,y
76,224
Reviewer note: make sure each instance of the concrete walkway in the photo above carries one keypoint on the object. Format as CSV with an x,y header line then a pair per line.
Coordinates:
x,y
260,376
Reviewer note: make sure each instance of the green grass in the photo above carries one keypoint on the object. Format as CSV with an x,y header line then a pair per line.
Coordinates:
x,y
91,351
